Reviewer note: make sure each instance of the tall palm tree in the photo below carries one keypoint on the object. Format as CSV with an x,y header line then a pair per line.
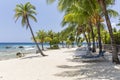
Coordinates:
x,y
25,12
115,58
41,35
77,13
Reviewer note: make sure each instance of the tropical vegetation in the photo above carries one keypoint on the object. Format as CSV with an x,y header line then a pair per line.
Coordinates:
x,y
85,21
87,16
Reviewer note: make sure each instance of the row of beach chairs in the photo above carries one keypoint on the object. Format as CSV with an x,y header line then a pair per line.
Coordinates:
x,y
84,52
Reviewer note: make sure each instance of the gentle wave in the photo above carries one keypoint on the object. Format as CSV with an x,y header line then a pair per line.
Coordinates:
x,y
9,50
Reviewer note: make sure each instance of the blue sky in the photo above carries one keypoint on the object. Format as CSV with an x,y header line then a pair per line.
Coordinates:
x,y
48,18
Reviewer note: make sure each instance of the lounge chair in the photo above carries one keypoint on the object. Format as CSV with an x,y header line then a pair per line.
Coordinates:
x,y
82,49
97,56
79,53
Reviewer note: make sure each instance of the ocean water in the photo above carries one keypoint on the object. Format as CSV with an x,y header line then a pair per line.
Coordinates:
x,y
9,50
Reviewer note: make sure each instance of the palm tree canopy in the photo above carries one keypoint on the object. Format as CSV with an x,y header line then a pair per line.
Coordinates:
x,y
24,11
41,34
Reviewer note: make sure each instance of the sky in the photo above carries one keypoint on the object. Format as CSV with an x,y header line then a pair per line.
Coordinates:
x,y
115,20
48,17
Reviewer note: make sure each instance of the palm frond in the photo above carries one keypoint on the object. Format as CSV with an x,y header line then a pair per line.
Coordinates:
x,y
112,13
25,11
23,22
50,1
32,17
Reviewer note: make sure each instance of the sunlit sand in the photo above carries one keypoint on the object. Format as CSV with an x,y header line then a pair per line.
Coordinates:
x,y
58,65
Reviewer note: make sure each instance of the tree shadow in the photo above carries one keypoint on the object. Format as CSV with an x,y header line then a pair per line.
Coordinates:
x,y
70,51
32,56
89,70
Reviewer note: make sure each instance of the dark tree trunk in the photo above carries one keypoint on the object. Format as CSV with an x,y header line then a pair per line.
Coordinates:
x,y
115,58
89,39
40,51
50,44
97,44
85,38
93,37
62,44
99,36
105,38
76,39
42,46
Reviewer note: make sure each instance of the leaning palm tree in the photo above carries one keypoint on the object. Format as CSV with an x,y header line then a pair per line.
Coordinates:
x,y
103,4
25,12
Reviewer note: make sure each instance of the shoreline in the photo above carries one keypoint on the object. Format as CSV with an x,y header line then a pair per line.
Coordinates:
x,y
58,65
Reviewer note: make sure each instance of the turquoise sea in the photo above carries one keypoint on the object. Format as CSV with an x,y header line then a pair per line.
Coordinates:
x,y
9,50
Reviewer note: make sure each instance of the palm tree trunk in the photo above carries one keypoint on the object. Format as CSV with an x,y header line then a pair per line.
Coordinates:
x,y
97,44
85,38
89,39
105,38
62,44
99,37
40,51
115,58
42,46
93,37
50,44
76,39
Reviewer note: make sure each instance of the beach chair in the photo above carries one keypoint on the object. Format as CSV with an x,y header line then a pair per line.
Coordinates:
x,y
82,52
97,56
82,49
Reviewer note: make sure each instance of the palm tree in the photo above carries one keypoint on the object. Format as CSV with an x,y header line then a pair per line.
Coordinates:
x,y
41,35
115,58
48,39
51,35
93,36
25,12
65,4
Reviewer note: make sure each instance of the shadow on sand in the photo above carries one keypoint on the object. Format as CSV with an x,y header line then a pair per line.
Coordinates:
x,y
32,56
89,70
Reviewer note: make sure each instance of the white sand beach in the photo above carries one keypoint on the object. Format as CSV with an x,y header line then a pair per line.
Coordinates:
x,y
58,65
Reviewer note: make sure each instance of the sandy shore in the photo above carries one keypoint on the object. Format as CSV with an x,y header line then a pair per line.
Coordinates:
x,y
59,65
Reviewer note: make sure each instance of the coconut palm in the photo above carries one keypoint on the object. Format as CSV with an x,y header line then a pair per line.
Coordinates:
x,y
76,13
89,5
97,18
103,4
48,39
26,12
41,35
